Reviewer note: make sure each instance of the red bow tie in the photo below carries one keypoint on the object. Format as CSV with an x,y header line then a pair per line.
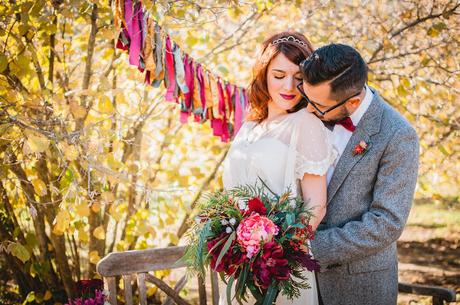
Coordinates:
x,y
347,123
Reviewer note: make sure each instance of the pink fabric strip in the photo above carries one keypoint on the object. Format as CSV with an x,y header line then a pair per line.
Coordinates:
x,y
141,24
189,81
216,125
170,66
224,136
184,117
133,31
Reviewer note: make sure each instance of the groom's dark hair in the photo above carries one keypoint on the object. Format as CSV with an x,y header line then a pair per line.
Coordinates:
x,y
337,62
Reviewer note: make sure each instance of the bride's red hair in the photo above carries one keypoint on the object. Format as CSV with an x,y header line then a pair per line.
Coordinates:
x,y
258,91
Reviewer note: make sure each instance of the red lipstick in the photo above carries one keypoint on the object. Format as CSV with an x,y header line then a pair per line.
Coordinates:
x,y
288,96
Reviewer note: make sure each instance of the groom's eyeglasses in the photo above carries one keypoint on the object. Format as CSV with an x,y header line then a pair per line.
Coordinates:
x,y
322,113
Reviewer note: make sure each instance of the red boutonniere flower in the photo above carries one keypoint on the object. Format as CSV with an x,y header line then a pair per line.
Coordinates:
x,y
360,149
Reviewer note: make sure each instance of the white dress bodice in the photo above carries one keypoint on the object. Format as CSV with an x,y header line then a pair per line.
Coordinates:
x,y
279,152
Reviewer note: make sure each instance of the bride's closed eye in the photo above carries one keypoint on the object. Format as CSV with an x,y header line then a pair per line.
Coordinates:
x,y
283,76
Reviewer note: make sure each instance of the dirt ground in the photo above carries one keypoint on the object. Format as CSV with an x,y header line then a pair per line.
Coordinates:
x,y
428,259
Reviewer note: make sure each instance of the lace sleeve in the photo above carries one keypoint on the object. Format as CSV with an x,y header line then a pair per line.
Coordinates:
x,y
314,152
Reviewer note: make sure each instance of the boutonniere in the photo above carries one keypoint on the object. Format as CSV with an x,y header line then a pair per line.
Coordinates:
x,y
361,148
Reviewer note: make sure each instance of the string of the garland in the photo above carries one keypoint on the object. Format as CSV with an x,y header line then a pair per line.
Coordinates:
x,y
200,93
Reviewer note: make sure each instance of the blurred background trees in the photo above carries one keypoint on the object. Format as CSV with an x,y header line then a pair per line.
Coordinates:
x,y
94,161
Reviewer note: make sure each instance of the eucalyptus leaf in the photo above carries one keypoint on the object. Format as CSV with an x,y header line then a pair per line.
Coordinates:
x,y
226,246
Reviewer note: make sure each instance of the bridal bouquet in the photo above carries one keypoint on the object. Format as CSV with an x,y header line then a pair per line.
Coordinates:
x,y
256,240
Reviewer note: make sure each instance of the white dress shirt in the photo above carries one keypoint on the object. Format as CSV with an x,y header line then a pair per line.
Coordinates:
x,y
341,136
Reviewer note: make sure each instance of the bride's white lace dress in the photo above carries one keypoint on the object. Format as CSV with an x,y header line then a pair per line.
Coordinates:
x,y
280,152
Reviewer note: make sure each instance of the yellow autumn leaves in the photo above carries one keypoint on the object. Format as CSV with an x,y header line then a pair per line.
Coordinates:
x,y
61,222
36,143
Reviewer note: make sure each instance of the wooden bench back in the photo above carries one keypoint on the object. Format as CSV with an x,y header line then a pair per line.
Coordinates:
x,y
137,264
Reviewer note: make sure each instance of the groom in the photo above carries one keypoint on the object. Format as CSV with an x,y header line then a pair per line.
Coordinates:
x,y
370,186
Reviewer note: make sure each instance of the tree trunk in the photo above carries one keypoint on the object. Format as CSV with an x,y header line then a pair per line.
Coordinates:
x,y
95,244
8,225
45,256
58,241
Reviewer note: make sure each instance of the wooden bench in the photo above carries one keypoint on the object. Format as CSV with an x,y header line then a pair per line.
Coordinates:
x,y
136,265
439,294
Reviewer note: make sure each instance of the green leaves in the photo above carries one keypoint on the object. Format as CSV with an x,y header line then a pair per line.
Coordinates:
x,y
205,233
226,246
229,290
19,251
271,294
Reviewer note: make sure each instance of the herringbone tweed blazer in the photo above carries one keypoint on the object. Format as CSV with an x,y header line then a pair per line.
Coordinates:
x,y
369,199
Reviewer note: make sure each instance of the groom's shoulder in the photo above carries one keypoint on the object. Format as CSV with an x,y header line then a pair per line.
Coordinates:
x,y
393,120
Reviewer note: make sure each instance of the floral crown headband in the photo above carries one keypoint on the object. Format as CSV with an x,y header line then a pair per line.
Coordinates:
x,y
289,38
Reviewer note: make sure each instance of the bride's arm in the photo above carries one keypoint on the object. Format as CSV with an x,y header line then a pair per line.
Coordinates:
x,y
314,156
314,193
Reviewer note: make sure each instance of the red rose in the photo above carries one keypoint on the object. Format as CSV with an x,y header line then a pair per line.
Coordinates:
x,y
256,205
270,265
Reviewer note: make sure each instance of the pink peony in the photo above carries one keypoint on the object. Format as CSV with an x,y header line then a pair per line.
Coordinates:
x,y
253,231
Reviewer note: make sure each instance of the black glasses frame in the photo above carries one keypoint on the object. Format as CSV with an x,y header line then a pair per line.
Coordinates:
x,y
302,93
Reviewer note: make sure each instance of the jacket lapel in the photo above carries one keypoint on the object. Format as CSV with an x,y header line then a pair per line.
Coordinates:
x,y
368,126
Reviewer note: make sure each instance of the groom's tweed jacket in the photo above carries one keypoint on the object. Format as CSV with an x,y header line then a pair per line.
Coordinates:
x,y
369,199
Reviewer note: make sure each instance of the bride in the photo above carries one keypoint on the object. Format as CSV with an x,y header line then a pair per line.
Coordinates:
x,y
283,149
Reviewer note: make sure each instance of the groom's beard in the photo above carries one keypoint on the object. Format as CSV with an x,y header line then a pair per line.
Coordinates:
x,y
344,113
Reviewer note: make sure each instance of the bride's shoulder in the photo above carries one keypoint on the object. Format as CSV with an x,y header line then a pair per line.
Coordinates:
x,y
247,124
304,117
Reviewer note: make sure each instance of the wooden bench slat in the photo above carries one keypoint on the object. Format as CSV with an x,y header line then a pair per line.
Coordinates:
x,y
177,288
214,288
142,288
111,286
128,289
166,289
201,290
140,261
441,293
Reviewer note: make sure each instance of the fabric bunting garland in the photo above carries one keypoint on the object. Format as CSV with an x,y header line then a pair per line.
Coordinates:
x,y
199,92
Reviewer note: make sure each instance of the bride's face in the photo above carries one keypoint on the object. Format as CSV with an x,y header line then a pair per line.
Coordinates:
x,y
282,78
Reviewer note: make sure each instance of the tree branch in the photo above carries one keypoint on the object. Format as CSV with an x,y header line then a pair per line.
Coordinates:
x,y
88,64
411,25
184,226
